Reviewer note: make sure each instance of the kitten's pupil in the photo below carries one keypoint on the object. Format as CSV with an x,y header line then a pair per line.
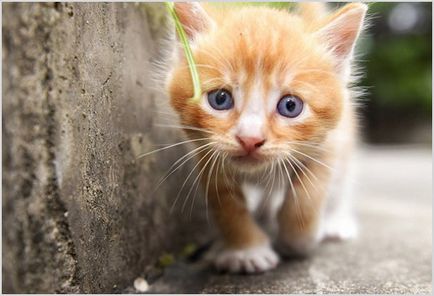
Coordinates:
x,y
221,97
290,105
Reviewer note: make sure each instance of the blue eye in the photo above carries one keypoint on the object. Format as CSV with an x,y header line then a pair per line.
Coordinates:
x,y
290,106
220,99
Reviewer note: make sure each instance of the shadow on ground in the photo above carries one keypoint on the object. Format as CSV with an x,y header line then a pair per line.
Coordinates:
x,y
391,255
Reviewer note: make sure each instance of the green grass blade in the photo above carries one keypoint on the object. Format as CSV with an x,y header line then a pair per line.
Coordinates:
x,y
188,53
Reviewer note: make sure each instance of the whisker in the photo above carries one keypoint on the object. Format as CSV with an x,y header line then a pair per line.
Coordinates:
x,y
301,166
231,192
171,146
165,144
207,184
188,177
289,177
312,158
270,173
300,221
301,170
281,177
216,181
299,179
165,113
197,187
269,176
309,145
184,127
192,154
273,172
196,179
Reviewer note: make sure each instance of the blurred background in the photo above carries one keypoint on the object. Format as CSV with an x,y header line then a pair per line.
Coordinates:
x,y
398,73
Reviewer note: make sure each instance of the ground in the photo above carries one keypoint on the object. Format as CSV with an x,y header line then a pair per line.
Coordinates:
x,y
391,255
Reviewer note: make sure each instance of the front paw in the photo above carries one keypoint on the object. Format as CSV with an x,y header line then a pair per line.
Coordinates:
x,y
251,260
339,228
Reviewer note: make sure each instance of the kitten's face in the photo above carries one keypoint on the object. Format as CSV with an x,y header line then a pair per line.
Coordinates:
x,y
270,87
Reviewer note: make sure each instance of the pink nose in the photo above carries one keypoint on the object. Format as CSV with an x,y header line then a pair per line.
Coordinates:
x,y
250,143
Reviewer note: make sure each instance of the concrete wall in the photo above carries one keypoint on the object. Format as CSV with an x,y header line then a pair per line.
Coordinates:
x,y
79,214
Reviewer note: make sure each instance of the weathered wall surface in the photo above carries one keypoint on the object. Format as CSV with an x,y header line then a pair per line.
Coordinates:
x,y
79,214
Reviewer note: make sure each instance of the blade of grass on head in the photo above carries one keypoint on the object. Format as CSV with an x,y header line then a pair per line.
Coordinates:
x,y
188,53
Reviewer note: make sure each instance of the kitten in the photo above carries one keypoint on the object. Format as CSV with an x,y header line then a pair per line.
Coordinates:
x,y
277,123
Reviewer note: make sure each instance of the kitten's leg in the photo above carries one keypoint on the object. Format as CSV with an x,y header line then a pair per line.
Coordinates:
x,y
246,248
339,221
300,216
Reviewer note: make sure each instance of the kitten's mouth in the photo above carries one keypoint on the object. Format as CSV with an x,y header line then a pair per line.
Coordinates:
x,y
248,159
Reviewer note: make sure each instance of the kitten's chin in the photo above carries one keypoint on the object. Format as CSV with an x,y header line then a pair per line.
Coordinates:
x,y
248,163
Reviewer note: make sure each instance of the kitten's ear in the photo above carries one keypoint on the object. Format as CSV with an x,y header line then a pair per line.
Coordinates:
x,y
341,31
193,18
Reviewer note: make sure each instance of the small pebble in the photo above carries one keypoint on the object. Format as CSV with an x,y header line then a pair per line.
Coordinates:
x,y
141,285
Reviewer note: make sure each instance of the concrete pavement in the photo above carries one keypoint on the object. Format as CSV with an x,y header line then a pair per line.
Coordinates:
x,y
391,255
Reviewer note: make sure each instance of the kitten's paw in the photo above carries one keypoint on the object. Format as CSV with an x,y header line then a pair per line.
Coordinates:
x,y
340,228
252,260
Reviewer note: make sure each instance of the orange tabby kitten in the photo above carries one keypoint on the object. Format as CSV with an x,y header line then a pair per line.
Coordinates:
x,y
277,123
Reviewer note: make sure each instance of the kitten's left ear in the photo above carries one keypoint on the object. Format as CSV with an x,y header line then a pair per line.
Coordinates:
x,y
193,18
342,30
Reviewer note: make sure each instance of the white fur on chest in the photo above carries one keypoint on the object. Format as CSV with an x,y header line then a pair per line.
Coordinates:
x,y
258,198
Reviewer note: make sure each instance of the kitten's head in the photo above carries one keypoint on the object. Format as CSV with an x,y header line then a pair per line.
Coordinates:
x,y
272,81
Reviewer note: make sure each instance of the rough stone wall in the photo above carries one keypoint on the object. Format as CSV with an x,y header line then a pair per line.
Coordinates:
x,y
79,212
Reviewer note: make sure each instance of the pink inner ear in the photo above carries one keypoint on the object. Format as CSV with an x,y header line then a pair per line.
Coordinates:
x,y
193,17
341,33
345,43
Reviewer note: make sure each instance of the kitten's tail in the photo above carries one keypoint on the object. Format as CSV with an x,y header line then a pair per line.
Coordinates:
x,y
312,12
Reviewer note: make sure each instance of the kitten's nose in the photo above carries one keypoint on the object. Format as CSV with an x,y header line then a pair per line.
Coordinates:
x,y
250,143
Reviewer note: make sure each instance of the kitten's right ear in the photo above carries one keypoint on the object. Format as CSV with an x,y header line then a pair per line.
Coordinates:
x,y
193,18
